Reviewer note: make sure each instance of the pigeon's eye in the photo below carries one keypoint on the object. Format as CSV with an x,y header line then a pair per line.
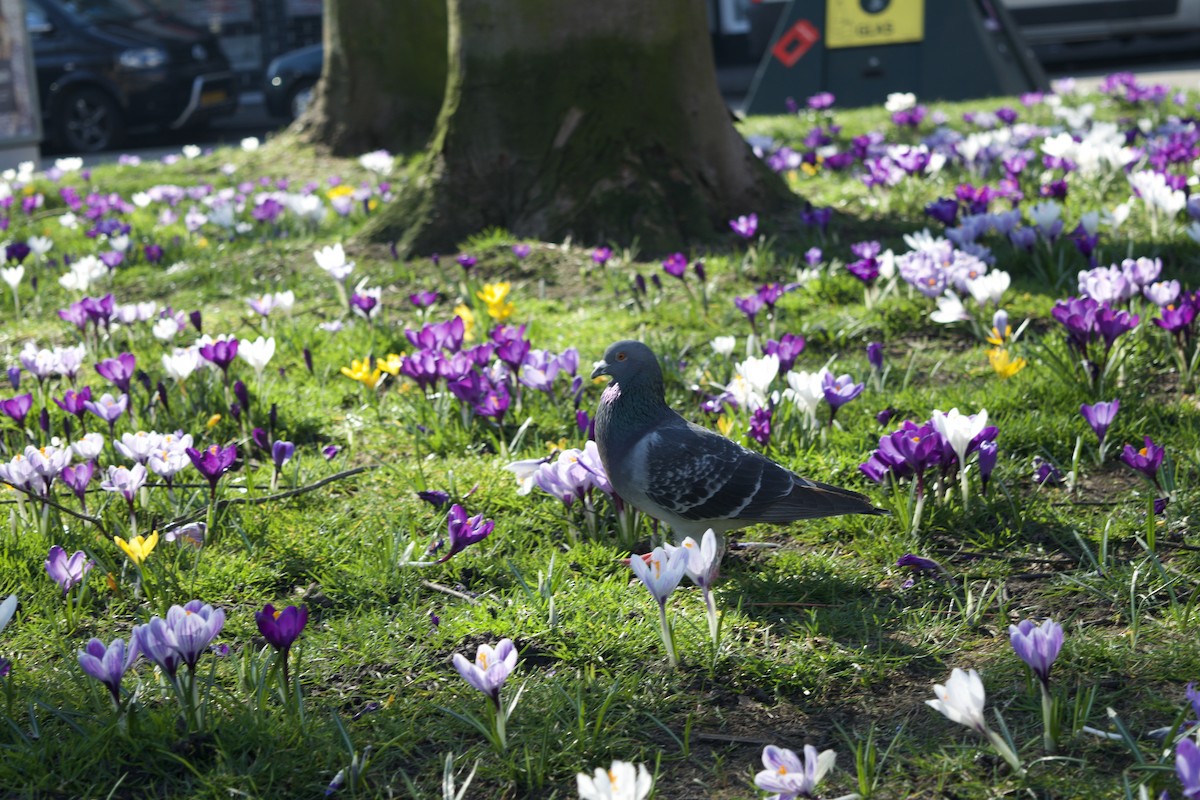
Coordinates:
x,y
620,356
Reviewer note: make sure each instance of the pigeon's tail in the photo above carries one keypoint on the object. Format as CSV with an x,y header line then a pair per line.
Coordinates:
x,y
811,499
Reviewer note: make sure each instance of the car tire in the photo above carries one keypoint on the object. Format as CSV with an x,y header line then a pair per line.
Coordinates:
x,y
300,98
88,121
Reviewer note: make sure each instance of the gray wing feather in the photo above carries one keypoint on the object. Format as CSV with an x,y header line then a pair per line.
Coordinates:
x,y
700,475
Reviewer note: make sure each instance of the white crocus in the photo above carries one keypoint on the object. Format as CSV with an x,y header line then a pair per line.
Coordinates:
x,y
621,781
989,288
723,345
257,354
9,607
82,273
332,259
379,161
13,275
703,565
191,151
1045,214
250,144
900,101
87,448
961,699
165,329
181,362
40,245
805,390
959,430
757,375
950,310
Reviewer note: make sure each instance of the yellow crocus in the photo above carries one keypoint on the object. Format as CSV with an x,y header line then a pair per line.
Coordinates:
x,y
138,548
724,425
997,338
391,364
464,312
495,297
213,421
341,190
1005,366
362,372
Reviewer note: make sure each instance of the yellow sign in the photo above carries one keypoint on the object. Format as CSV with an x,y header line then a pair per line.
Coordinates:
x,y
860,23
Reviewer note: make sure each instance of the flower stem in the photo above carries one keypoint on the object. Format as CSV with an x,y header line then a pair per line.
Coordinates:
x,y
668,639
1049,721
1151,523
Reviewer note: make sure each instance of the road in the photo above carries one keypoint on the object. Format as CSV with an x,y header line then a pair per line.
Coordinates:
x,y
252,119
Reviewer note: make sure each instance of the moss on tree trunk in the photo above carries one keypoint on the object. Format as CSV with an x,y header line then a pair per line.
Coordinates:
x,y
598,120
383,79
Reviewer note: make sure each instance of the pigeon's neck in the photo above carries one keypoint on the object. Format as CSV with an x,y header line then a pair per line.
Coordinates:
x,y
638,406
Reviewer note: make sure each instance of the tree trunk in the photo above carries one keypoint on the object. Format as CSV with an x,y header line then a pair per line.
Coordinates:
x,y
383,78
601,120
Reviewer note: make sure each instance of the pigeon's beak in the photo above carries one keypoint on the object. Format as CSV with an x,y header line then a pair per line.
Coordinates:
x,y
599,368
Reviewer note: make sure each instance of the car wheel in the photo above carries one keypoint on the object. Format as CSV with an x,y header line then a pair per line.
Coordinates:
x,y
301,99
89,121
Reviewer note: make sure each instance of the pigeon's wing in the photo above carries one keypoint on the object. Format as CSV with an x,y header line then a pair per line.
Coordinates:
x,y
700,475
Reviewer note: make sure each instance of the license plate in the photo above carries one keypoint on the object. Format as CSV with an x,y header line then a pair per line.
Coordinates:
x,y
213,96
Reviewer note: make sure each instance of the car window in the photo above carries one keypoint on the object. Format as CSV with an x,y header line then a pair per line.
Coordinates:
x,y
109,10
37,21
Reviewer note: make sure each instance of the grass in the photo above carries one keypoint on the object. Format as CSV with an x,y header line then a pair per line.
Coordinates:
x,y
824,642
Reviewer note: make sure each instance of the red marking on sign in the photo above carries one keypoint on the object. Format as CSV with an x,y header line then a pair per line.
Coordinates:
x,y
795,42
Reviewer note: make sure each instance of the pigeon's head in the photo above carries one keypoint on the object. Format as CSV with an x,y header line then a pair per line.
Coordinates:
x,y
629,363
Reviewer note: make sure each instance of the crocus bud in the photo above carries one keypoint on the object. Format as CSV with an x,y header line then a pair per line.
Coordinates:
x,y
308,360
875,356
241,393
260,438
197,321
14,377
273,415
235,410
44,420
162,395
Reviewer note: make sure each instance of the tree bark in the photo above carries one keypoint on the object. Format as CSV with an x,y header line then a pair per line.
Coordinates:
x,y
383,78
600,120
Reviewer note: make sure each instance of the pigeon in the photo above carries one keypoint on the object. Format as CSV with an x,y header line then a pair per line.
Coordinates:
x,y
689,477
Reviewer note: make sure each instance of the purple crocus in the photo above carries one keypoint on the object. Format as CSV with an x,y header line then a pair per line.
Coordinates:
x,y
988,453
1146,460
108,408
66,570
465,531
77,477
434,497
281,453
74,402
182,637
675,265
601,255
750,306
423,299
109,664
119,371
491,668
745,226
1037,645
1187,766
1100,416
281,629
17,408
213,462
760,426
787,349
521,250
221,352
839,391
466,261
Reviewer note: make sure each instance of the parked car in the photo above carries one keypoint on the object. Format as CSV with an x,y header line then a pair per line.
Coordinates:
x,y
105,66
290,81
1061,30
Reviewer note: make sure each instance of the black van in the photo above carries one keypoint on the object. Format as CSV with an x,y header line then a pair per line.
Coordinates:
x,y
104,66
